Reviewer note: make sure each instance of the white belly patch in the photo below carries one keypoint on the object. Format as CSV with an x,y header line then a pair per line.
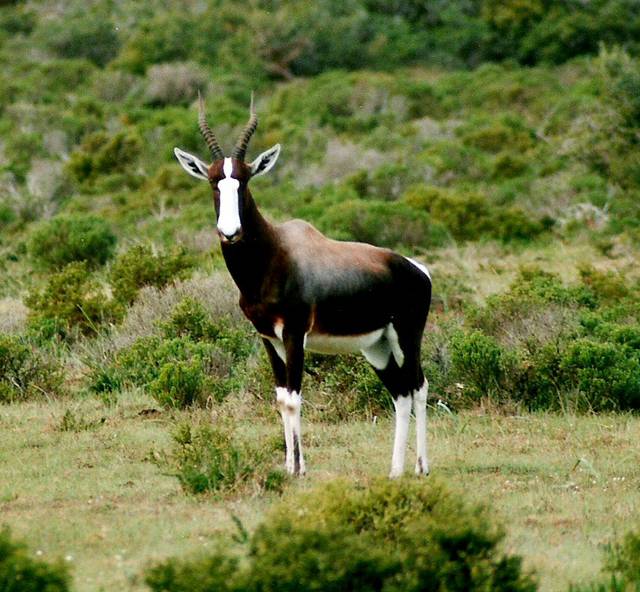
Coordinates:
x,y
376,346
341,344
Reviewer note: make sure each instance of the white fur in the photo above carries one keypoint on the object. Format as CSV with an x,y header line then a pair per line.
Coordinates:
x,y
376,346
194,166
264,163
421,267
289,405
282,396
392,337
403,413
229,216
420,411
342,344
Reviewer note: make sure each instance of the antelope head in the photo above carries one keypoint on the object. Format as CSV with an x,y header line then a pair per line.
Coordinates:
x,y
228,176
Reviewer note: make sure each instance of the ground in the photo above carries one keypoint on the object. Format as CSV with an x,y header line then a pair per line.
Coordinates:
x,y
562,485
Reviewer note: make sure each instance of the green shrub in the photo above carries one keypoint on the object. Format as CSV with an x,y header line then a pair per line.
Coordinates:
x,y
386,183
606,375
624,559
213,573
214,460
548,345
179,384
71,300
21,573
382,223
469,215
362,394
19,21
196,360
65,239
25,372
481,364
508,165
101,154
499,136
191,319
167,37
140,266
92,37
606,286
390,535
622,568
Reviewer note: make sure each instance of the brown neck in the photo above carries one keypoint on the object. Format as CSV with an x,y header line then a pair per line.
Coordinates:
x,y
251,259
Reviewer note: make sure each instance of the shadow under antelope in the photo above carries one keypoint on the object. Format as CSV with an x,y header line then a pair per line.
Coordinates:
x,y
302,290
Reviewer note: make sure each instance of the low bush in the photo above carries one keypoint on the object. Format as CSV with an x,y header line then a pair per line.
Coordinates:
x,y
179,384
92,37
65,239
177,372
25,372
482,365
385,224
342,388
470,215
621,571
19,572
195,360
175,83
391,535
140,266
101,154
606,375
71,301
546,345
214,460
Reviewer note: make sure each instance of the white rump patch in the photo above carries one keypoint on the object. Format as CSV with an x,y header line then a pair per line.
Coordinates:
x,y
229,216
421,267
379,353
392,337
278,345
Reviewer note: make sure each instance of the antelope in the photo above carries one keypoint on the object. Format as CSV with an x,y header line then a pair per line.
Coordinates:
x,y
304,291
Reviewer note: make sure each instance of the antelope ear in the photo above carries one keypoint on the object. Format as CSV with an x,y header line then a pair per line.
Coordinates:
x,y
264,163
194,166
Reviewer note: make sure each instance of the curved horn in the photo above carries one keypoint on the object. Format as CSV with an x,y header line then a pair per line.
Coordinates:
x,y
209,137
242,143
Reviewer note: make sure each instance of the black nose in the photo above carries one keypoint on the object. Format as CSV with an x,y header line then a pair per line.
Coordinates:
x,y
233,238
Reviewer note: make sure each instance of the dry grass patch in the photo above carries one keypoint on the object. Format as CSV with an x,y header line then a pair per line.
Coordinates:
x,y
563,486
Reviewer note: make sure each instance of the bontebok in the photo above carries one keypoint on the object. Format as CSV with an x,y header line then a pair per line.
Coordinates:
x,y
302,290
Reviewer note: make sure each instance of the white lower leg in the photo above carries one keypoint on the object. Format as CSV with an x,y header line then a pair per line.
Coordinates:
x,y
403,412
282,398
420,411
294,405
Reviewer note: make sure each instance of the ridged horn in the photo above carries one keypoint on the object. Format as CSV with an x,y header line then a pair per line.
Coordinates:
x,y
207,134
240,148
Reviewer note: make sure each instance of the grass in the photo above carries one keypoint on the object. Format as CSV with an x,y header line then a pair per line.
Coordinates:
x,y
87,490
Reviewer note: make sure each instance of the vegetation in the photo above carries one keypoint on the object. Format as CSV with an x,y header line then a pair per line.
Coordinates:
x,y
498,142
26,372
392,535
206,459
20,573
66,239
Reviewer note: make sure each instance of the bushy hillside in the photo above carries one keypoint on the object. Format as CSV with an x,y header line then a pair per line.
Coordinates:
x,y
498,142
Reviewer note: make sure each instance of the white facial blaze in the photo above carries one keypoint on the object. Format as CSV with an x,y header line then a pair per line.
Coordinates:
x,y
229,216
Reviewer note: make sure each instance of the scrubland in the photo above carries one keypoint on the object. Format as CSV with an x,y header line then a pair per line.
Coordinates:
x,y
497,142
